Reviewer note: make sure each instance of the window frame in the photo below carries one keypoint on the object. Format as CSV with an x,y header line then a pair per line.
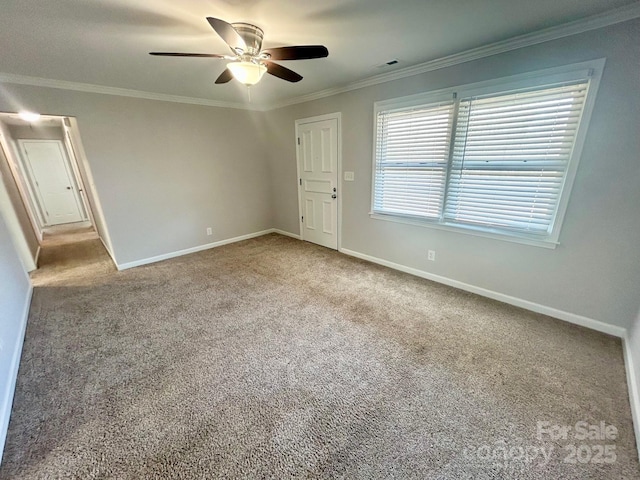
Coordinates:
x,y
591,70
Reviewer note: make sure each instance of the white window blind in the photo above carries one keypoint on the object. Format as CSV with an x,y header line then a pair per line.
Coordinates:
x,y
510,157
412,154
495,158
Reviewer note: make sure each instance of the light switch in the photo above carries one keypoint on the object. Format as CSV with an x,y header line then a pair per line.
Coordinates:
x,y
348,176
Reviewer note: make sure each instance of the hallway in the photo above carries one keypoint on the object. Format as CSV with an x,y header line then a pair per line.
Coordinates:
x,y
69,252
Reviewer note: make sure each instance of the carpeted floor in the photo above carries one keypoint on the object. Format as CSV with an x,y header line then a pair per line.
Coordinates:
x,y
275,358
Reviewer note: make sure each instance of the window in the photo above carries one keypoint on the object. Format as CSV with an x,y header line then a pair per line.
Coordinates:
x,y
494,158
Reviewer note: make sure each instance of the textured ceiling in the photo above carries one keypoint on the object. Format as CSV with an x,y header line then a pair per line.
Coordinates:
x,y
106,42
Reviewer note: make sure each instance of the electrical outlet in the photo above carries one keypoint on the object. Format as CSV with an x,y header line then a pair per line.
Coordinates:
x,y
209,231
431,255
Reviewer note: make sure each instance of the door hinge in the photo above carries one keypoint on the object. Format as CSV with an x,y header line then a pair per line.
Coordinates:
x,y
303,218
298,140
300,181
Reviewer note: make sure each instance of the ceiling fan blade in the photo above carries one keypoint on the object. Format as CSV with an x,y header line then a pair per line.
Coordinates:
x,y
202,55
301,52
224,77
282,72
227,33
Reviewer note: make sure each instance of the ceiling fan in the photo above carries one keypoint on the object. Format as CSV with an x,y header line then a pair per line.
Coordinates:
x,y
248,61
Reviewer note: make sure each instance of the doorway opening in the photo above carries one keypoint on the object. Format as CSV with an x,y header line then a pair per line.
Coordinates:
x,y
48,186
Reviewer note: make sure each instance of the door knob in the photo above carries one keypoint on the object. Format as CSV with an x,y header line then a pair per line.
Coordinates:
x,y
334,196
68,188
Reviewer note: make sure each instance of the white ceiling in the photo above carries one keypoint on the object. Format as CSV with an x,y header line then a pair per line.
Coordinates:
x,y
106,42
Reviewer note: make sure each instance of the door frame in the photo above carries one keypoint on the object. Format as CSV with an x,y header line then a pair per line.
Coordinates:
x,y
36,196
319,118
10,155
74,162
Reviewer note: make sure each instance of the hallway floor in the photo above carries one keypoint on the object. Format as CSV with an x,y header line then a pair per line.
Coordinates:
x,y
69,251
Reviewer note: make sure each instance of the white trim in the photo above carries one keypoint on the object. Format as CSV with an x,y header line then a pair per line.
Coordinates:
x,y
28,180
186,251
632,375
120,92
37,256
100,223
605,19
7,399
518,302
337,116
319,118
12,158
298,180
531,78
465,230
601,20
286,234
634,388
73,161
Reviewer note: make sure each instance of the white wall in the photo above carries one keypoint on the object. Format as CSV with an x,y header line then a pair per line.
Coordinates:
x,y
75,147
164,171
15,294
592,273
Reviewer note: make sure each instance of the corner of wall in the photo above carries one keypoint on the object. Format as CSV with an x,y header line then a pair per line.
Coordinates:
x,y
632,360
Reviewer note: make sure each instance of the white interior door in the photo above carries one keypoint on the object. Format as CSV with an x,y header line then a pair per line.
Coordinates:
x,y
318,183
50,176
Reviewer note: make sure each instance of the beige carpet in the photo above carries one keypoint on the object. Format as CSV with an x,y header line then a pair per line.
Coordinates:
x,y
274,358
71,254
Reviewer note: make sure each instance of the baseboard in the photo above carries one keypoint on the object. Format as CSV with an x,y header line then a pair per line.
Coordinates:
x,y
632,375
287,234
199,248
518,302
37,256
7,399
634,388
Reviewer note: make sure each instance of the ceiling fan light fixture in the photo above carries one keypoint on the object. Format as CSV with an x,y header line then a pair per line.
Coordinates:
x,y
248,73
249,61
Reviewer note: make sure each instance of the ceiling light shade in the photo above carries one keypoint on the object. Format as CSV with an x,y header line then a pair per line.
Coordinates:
x,y
29,116
248,73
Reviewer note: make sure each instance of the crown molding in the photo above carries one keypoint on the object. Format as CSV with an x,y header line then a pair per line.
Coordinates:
x,y
605,19
611,17
121,92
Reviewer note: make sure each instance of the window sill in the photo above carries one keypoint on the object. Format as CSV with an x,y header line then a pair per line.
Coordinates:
x,y
550,244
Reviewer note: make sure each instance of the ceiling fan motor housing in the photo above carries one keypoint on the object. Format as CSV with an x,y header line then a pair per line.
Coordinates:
x,y
252,37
